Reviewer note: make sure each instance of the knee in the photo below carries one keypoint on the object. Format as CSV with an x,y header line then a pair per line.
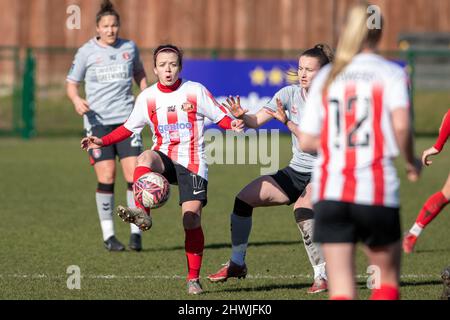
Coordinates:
x,y
191,220
242,208
144,159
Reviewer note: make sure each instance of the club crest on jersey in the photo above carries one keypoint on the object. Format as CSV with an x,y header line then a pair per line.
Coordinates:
x,y
96,153
187,107
126,56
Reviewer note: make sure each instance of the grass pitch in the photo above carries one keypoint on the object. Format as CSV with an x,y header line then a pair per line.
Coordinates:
x,y
49,222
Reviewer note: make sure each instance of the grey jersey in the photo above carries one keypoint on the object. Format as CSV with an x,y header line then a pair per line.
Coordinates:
x,y
294,104
108,73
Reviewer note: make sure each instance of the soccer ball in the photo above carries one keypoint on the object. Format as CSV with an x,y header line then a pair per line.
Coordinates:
x,y
151,190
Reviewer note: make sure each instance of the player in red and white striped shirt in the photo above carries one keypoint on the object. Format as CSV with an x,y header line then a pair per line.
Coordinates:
x,y
435,203
357,117
175,110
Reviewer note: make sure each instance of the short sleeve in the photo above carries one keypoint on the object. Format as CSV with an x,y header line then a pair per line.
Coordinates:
x,y
396,95
209,107
283,96
78,70
311,122
138,117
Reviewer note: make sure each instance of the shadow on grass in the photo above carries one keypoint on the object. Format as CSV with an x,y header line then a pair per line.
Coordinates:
x,y
226,245
295,286
446,250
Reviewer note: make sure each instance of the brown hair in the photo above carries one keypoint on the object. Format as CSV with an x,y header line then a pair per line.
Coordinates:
x,y
321,52
168,48
356,34
107,9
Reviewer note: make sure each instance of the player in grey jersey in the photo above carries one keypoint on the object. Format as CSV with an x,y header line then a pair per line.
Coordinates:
x,y
287,186
108,65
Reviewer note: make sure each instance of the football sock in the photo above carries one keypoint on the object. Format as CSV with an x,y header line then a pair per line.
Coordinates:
x,y
320,271
131,204
312,249
240,232
139,172
194,245
431,209
105,204
385,292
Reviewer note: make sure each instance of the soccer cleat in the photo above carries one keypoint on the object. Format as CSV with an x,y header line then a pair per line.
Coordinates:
x,y
409,241
137,216
319,285
229,270
112,244
194,287
135,242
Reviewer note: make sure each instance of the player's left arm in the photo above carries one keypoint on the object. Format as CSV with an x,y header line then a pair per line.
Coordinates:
x,y
217,113
281,116
139,74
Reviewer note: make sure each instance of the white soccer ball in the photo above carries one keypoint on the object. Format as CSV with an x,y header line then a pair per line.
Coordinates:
x,y
151,190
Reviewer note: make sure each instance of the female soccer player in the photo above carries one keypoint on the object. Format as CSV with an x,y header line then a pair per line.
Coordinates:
x,y
287,186
108,65
436,203
175,110
357,118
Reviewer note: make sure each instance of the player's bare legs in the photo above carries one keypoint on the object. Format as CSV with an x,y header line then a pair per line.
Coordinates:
x,y
340,270
387,259
305,223
430,210
148,161
194,243
261,192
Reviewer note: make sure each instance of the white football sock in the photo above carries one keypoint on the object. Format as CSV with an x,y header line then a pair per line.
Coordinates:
x,y
105,204
320,271
130,202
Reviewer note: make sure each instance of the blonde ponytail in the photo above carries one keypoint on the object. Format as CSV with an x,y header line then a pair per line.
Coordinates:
x,y
350,43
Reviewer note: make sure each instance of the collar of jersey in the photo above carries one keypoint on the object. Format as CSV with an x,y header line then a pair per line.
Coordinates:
x,y
169,89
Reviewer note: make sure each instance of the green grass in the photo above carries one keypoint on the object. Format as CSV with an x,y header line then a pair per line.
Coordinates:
x,y
49,222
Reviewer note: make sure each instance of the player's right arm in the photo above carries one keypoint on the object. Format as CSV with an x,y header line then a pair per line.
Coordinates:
x,y
135,123
76,75
81,106
251,120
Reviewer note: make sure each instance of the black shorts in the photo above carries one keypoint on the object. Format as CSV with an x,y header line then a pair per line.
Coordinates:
x,y
341,222
190,185
292,182
131,147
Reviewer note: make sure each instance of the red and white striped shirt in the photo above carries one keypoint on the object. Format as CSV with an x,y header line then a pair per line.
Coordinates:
x,y
176,118
358,145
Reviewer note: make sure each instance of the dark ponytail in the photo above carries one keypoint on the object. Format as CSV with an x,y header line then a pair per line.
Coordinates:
x,y
321,52
107,9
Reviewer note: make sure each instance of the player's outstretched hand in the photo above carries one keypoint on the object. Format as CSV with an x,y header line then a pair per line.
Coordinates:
x,y
238,125
427,153
91,142
280,114
234,106
413,170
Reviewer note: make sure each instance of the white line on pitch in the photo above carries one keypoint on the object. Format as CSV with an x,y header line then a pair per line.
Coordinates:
x,y
168,277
